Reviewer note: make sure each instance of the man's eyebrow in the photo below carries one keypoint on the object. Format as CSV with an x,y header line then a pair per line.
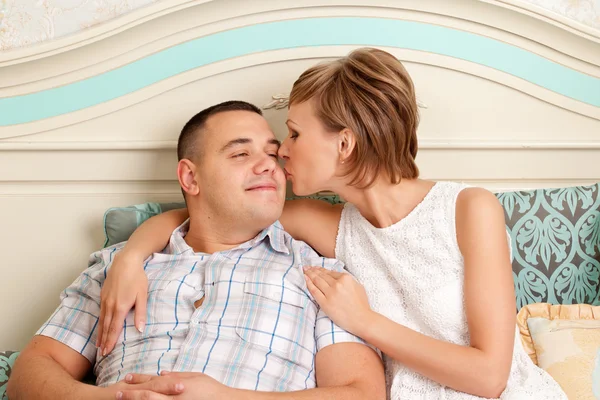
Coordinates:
x,y
275,142
239,141
235,142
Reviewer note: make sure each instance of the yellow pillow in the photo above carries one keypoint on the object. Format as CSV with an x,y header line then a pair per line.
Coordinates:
x,y
564,340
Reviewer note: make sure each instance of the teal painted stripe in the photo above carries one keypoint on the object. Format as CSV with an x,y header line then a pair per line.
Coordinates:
x,y
300,33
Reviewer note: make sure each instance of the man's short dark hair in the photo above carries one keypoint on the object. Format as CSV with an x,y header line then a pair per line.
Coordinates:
x,y
188,139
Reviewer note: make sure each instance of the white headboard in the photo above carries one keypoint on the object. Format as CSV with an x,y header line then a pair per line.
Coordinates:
x,y
510,99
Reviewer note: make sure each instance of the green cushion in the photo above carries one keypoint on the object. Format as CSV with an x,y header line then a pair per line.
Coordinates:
x,y
7,360
555,237
121,222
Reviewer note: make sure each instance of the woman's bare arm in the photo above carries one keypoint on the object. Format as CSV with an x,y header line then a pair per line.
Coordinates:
x,y
314,222
126,284
482,367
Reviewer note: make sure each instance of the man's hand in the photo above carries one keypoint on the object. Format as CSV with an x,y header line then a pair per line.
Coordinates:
x,y
173,385
126,285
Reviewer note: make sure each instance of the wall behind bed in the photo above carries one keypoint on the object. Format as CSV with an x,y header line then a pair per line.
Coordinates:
x,y
28,22
510,98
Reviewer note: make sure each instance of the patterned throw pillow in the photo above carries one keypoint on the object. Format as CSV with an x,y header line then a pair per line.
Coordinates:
x,y
555,244
7,360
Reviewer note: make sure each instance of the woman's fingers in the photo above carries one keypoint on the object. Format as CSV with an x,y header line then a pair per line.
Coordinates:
x,y
141,302
108,313
321,280
326,276
334,274
314,290
116,326
101,324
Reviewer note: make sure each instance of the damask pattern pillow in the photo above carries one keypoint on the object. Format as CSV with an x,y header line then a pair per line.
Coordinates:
x,y
7,360
555,244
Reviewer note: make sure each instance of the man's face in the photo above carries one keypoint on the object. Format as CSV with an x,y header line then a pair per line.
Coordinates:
x,y
238,174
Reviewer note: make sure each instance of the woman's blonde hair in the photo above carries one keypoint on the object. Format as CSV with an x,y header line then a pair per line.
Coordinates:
x,y
371,93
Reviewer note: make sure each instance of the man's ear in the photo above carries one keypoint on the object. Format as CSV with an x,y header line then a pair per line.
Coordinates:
x,y
346,144
186,173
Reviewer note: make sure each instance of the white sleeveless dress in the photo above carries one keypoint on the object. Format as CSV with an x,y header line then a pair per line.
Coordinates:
x,y
413,273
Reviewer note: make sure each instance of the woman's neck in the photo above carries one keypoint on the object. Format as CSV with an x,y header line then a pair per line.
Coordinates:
x,y
384,203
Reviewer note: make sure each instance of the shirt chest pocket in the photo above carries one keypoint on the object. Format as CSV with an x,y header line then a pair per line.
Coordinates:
x,y
171,296
278,316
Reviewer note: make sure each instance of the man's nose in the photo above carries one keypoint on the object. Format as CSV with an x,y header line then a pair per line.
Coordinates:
x,y
266,164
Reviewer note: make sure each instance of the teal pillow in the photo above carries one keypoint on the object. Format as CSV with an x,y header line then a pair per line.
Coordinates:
x,y
121,222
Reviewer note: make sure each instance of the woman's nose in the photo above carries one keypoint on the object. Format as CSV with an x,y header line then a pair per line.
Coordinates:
x,y
283,150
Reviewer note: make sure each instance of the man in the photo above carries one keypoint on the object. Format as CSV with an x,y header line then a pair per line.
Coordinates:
x,y
227,299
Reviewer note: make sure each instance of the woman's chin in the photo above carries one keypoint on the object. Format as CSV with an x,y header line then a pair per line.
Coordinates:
x,y
299,190
302,190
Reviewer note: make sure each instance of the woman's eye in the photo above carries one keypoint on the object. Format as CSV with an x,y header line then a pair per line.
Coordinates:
x,y
294,134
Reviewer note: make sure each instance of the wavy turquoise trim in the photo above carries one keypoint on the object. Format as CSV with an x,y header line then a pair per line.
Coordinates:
x,y
300,33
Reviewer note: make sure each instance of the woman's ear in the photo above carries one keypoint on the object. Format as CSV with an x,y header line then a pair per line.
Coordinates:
x,y
186,173
347,142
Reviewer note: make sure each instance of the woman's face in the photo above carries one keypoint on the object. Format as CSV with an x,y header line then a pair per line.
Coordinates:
x,y
310,152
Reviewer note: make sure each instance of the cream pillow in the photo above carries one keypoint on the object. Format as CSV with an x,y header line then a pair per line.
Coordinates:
x,y
564,340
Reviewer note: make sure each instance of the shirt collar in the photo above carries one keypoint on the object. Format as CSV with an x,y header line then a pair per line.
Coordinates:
x,y
275,234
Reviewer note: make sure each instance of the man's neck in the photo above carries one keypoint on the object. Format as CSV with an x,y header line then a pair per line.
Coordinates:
x,y
205,236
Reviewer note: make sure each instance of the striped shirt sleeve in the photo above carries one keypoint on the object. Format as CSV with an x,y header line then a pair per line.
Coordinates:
x,y
74,323
326,332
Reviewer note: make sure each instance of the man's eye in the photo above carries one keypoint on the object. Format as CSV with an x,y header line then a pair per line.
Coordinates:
x,y
273,155
239,155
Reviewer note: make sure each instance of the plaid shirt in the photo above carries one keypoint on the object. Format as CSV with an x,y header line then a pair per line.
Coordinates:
x,y
258,327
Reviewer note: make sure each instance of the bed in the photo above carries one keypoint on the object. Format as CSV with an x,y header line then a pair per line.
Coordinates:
x,y
509,98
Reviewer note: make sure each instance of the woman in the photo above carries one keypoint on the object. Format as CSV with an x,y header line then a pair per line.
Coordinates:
x,y
436,294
